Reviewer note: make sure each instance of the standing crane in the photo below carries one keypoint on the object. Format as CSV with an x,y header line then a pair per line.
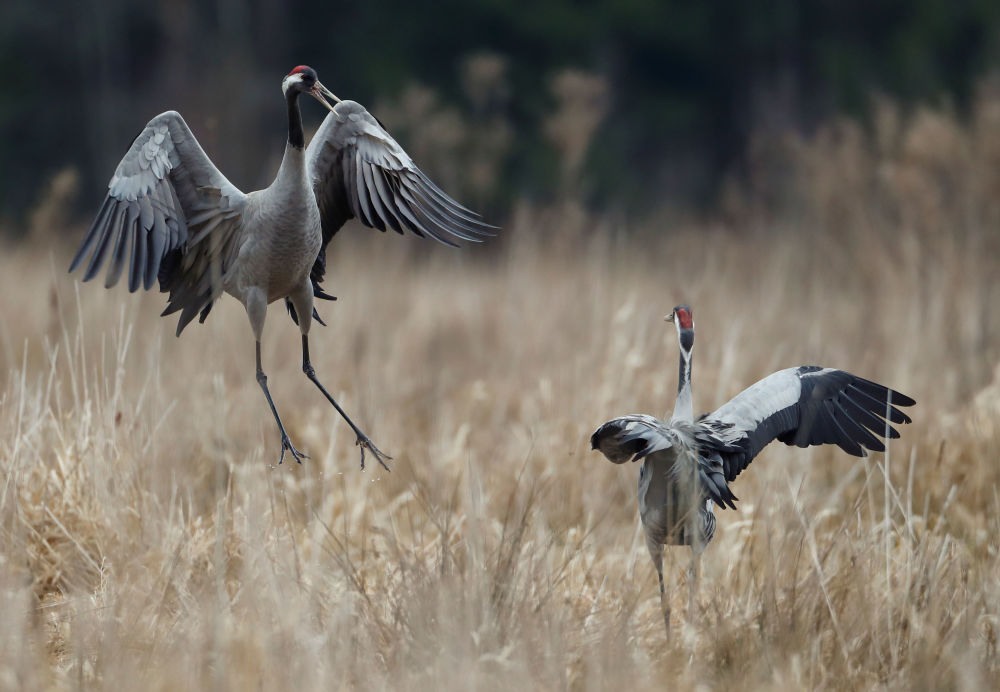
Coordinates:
x,y
171,216
687,464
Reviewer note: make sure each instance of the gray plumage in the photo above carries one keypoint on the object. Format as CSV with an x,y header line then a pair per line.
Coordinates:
x,y
171,216
687,464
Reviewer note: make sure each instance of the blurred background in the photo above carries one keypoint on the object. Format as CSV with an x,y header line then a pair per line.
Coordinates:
x,y
634,106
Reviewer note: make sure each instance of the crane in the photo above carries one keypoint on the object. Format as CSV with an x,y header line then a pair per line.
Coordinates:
x,y
171,216
687,464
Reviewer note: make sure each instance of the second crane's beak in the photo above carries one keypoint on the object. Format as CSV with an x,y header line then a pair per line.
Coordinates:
x,y
321,94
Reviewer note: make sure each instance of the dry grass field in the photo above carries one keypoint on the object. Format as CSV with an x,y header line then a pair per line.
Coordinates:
x,y
148,540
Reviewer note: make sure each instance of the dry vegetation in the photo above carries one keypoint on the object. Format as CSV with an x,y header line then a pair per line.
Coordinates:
x,y
147,541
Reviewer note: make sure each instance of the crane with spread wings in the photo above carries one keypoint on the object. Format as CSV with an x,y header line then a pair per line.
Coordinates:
x,y
170,216
687,464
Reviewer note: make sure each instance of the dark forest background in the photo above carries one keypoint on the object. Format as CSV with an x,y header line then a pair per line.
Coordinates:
x,y
626,104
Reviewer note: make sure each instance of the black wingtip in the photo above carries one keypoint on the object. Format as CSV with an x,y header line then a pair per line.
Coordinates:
x,y
898,399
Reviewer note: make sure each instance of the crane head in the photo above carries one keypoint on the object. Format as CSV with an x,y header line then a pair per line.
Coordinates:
x,y
683,319
682,316
303,79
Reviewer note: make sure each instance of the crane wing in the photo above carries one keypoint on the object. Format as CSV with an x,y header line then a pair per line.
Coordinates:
x,y
359,170
632,437
804,406
169,215
637,436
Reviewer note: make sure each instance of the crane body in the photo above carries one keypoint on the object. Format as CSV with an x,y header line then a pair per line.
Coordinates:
x,y
171,217
688,463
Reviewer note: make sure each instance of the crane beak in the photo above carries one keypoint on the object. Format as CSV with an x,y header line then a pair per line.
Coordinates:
x,y
321,94
669,318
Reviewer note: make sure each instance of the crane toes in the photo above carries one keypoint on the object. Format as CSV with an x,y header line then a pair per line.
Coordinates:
x,y
365,443
287,446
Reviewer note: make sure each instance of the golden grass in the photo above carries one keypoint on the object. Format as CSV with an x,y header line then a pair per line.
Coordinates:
x,y
148,541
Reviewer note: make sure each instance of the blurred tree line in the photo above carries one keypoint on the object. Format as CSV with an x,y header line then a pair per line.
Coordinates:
x,y
623,102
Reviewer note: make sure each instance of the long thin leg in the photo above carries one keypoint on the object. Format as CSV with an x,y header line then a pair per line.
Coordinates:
x,y
664,603
363,440
703,532
656,552
286,444
693,583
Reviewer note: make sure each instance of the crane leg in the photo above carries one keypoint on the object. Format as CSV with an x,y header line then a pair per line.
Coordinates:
x,y
664,603
656,552
693,581
286,444
363,440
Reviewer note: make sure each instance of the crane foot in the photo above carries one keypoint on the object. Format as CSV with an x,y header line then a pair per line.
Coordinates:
x,y
287,446
365,443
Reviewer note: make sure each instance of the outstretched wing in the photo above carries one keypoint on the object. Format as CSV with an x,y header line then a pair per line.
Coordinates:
x,y
804,406
637,436
359,170
632,437
169,215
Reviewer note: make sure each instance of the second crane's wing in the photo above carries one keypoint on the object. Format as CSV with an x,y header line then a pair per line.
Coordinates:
x,y
804,406
637,436
359,170
169,215
632,437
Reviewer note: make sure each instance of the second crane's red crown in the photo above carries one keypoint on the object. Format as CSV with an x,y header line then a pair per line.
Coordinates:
x,y
683,316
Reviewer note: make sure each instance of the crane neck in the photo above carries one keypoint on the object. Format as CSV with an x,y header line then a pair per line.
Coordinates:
x,y
296,138
292,180
684,407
